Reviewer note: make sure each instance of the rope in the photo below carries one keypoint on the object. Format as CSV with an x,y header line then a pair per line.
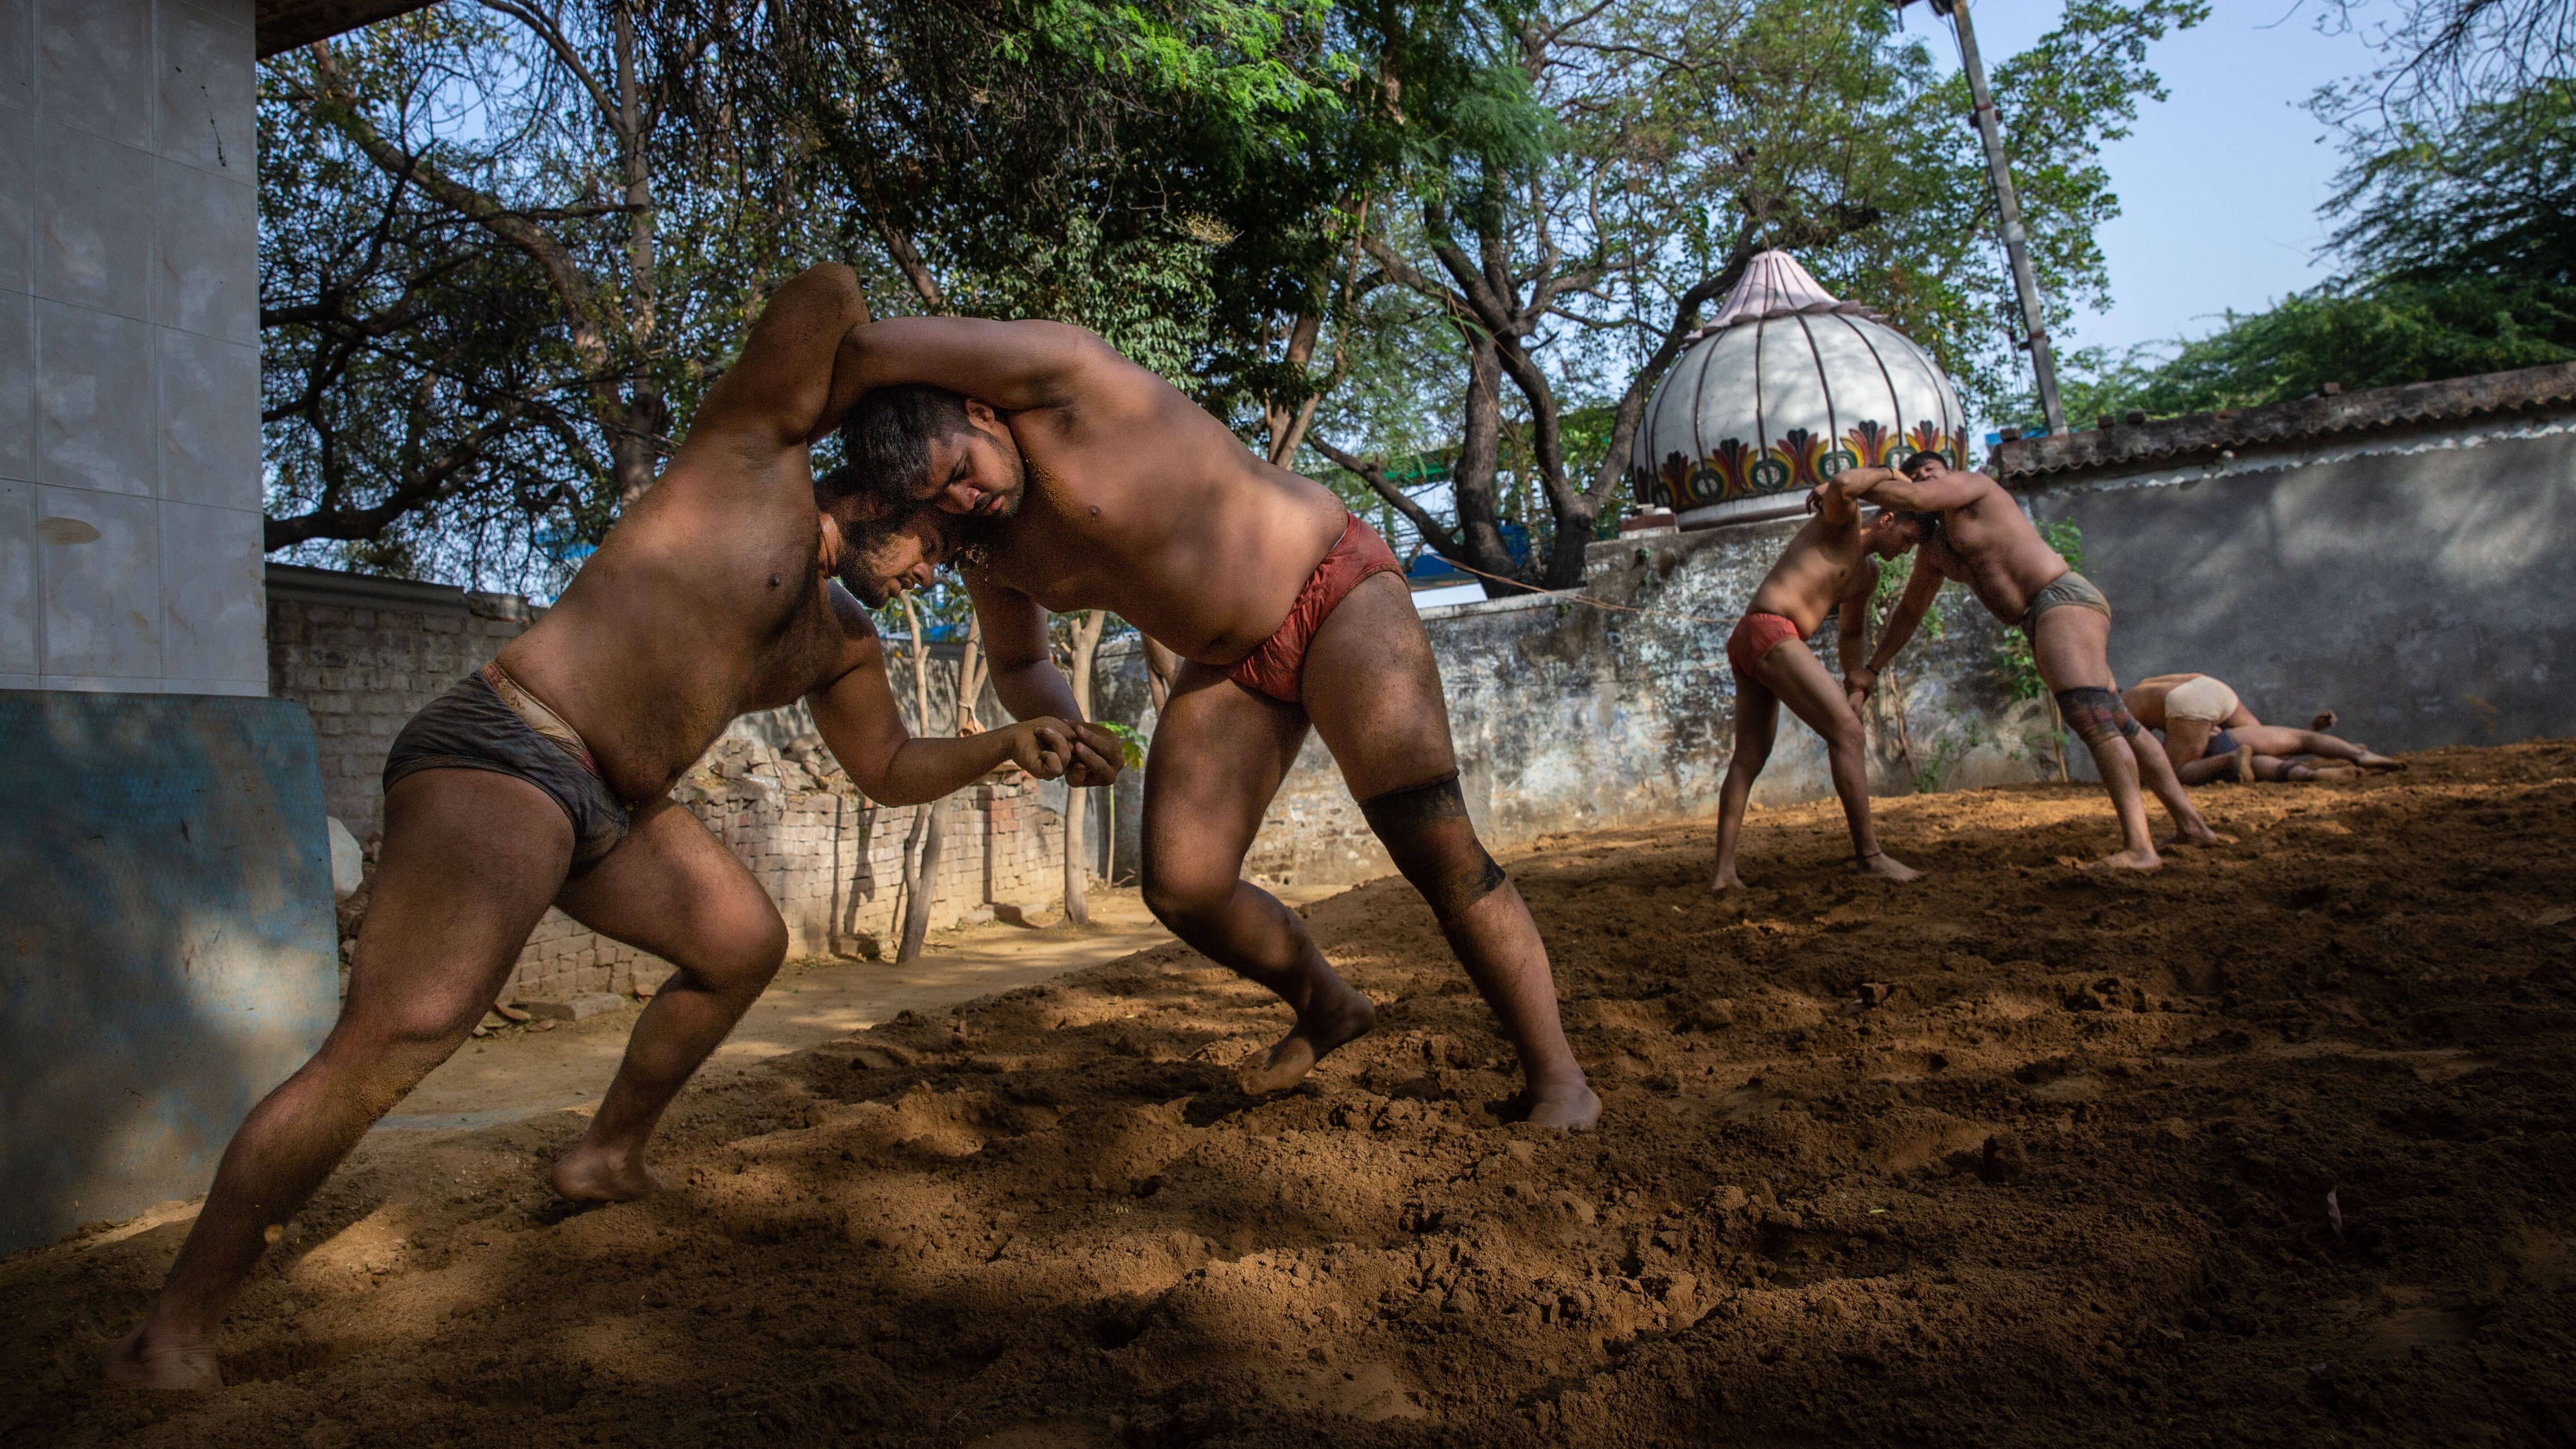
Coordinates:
x,y
1570,596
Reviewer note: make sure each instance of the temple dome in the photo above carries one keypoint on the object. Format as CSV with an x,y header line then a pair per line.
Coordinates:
x,y
1784,389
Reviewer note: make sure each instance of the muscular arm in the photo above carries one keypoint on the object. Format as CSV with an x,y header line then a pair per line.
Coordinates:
x,y
1851,629
1014,366
855,711
1919,593
787,389
1932,495
1027,682
1838,498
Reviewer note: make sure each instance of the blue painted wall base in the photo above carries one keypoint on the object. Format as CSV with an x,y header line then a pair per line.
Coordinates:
x,y
167,947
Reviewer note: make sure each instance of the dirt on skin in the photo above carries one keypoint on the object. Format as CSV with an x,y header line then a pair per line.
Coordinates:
x,y
2269,1148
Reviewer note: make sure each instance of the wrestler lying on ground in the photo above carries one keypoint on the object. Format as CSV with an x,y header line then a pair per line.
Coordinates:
x,y
1075,479
1966,527
542,781
2211,735
1831,564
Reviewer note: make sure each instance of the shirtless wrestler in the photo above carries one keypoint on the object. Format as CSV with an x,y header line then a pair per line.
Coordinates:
x,y
2211,735
1966,527
1068,477
542,781
1830,565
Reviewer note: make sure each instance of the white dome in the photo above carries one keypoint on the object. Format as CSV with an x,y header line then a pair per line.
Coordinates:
x,y
1786,388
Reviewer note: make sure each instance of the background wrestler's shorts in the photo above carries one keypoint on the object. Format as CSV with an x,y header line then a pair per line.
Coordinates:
x,y
471,728
2070,588
2202,698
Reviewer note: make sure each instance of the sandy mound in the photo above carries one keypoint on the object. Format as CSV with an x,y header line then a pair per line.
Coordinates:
x,y
2269,1147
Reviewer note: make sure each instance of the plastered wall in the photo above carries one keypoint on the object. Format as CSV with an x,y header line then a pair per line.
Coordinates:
x,y
130,533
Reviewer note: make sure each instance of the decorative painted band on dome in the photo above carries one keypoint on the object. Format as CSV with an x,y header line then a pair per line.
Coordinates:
x,y
1784,389
1798,461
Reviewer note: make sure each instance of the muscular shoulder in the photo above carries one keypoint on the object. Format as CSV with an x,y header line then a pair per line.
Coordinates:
x,y
860,642
1863,580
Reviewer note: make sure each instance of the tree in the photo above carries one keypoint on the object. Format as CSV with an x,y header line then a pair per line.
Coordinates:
x,y
553,249
2447,55
1607,170
508,244
2459,235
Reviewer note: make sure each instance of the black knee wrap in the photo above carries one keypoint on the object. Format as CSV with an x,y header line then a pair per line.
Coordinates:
x,y
2095,714
1427,830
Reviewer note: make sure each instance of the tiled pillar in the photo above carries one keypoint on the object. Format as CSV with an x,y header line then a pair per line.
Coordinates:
x,y
130,547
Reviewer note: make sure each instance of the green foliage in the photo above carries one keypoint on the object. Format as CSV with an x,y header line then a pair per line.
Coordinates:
x,y
1603,171
2462,243
2012,658
1131,740
480,345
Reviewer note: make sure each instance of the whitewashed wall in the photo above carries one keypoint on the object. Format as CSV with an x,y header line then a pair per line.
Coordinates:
x,y
130,549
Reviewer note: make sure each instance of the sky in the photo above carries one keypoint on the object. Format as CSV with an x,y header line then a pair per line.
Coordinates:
x,y
2219,183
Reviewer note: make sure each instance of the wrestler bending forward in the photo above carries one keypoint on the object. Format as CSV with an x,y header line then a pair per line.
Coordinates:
x,y
2211,735
1966,527
1063,476
1831,564
543,780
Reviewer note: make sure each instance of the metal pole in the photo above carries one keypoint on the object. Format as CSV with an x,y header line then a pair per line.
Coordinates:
x,y
2043,363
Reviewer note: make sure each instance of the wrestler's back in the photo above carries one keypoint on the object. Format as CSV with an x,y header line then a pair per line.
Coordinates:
x,y
1142,503
703,602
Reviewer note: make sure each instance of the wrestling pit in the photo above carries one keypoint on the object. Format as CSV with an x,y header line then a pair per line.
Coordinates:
x,y
2270,1147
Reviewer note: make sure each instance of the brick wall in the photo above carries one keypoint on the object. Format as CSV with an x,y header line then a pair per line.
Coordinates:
x,y
364,654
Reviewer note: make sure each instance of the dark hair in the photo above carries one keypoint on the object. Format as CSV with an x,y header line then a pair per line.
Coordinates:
x,y
885,444
1918,455
1927,520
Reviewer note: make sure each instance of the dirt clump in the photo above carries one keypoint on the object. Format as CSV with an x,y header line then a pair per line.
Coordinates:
x,y
2018,1155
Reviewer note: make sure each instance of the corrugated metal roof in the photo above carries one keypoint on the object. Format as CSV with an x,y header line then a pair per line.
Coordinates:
x,y
2128,445
286,24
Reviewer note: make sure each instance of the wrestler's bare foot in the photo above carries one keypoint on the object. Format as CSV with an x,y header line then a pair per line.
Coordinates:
x,y
1885,866
174,1365
1726,880
2373,761
591,1174
2242,763
2142,858
1564,1106
1342,1014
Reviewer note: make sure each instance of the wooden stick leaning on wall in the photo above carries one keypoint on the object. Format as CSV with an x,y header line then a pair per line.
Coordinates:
x,y
921,849
1084,646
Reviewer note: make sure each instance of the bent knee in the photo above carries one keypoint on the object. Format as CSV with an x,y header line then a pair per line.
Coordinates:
x,y
1179,897
404,1039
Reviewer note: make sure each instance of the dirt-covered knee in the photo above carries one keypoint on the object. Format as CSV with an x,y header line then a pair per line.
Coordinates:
x,y
1426,830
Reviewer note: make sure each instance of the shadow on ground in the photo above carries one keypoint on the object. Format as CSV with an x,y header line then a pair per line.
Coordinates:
x,y
2271,1147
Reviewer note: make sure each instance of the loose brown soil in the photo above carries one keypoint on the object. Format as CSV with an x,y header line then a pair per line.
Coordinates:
x,y
2272,1147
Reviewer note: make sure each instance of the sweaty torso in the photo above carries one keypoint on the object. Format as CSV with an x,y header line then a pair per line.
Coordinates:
x,y
1141,503
1821,565
704,602
1991,547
